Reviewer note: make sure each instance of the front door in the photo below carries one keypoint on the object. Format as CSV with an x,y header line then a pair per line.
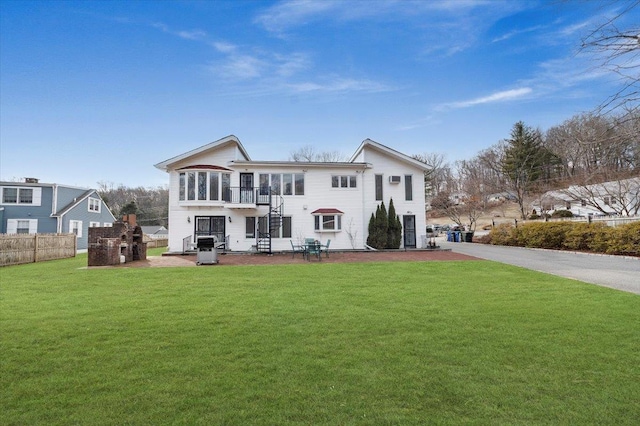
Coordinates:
x,y
409,226
246,187
210,225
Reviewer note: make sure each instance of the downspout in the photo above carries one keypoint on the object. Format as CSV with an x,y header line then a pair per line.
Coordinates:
x,y
54,209
365,224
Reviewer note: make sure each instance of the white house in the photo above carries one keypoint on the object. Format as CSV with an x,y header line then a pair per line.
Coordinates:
x,y
613,198
218,190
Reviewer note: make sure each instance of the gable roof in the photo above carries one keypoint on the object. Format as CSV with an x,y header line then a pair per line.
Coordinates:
x,y
75,202
231,139
368,143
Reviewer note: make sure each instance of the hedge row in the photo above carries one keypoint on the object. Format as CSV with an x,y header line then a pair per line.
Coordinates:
x,y
594,237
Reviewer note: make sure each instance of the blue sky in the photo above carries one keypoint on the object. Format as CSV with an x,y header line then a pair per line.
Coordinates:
x,y
101,91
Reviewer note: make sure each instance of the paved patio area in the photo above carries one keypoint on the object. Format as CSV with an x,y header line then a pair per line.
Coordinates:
x,y
286,258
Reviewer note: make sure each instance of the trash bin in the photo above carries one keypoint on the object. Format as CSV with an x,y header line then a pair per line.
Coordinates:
x,y
467,237
207,252
456,236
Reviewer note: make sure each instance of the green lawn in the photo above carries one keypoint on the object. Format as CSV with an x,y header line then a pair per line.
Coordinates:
x,y
380,343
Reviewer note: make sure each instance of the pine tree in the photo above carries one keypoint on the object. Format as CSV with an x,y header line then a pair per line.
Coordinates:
x,y
371,230
394,230
382,225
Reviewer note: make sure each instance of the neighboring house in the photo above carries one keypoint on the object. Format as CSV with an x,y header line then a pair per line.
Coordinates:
x,y
41,208
265,205
155,231
501,196
614,198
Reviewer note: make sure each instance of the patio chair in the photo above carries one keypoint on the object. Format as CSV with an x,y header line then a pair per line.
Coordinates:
x,y
296,249
312,247
325,248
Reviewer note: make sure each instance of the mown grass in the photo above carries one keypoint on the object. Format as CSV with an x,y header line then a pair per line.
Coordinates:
x,y
380,343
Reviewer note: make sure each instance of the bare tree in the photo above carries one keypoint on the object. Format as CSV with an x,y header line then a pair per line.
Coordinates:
x,y
618,51
620,197
438,176
308,153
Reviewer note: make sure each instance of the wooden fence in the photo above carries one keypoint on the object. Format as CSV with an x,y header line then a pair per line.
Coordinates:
x,y
28,248
156,242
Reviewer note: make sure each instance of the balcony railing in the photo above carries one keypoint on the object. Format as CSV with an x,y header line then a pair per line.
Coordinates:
x,y
235,195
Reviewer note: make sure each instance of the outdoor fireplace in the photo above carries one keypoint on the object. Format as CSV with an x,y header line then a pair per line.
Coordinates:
x,y
120,243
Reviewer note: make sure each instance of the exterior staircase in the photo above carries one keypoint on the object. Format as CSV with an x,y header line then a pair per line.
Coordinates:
x,y
274,223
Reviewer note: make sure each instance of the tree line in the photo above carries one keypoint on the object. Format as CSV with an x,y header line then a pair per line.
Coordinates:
x,y
150,205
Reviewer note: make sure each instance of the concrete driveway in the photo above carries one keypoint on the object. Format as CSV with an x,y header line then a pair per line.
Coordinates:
x,y
619,272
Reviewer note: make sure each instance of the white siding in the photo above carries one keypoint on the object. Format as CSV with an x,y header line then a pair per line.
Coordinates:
x,y
357,204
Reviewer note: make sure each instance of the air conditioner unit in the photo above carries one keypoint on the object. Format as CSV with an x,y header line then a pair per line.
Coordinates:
x,y
394,179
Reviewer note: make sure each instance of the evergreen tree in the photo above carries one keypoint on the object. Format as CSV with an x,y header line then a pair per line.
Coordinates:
x,y
524,160
382,225
371,230
394,229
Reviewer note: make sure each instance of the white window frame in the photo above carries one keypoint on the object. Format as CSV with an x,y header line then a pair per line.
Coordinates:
x,y
36,196
75,224
202,193
108,225
94,224
95,205
344,181
319,222
12,226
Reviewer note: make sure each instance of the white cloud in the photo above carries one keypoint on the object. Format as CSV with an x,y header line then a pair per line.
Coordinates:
x,y
506,95
223,47
239,67
338,85
184,34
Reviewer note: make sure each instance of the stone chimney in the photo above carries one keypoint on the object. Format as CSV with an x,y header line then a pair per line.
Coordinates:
x,y
130,219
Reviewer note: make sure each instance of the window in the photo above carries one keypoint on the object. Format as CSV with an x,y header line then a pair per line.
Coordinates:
x,y
10,196
327,220
281,184
345,181
226,187
26,196
408,188
283,232
22,226
213,186
94,205
276,184
191,186
75,227
286,227
94,224
287,184
182,187
107,225
204,186
250,227
15,195
378,187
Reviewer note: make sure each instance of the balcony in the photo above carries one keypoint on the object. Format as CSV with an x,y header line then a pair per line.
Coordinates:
x,y
233,198
244,198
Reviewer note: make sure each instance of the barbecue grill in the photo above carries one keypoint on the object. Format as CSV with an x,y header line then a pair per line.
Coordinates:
x,y
207,252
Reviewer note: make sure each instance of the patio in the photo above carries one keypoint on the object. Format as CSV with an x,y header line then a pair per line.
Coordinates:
x,y
286,258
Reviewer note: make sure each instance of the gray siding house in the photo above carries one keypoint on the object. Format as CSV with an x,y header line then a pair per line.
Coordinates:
x,y
47,208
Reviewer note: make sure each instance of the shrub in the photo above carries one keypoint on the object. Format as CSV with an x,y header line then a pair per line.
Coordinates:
x,y
624,239
543,234
561,213
504,234
581,236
